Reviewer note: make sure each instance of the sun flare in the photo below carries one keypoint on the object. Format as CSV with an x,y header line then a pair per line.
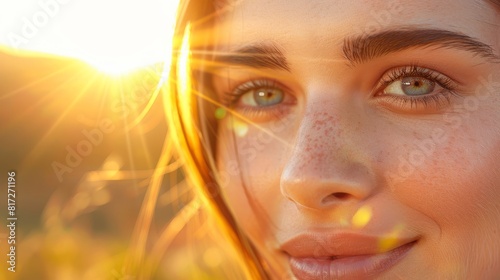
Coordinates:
x,y
116,68
116,37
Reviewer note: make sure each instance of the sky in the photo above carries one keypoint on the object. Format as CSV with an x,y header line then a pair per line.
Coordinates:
x,y
109,34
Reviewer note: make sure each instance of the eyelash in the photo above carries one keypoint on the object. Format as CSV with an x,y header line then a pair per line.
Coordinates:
x,y
434,100
232,97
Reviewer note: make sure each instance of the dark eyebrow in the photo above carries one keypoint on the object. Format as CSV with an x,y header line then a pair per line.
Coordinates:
x,y
262,55
362,48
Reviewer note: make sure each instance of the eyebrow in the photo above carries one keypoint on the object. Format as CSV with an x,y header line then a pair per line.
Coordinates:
x,y
262,55
363,48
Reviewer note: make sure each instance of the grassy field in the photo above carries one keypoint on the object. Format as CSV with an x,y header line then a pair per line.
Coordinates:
x,y
83,164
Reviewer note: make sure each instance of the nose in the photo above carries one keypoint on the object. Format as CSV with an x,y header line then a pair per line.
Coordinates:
x,y
326,168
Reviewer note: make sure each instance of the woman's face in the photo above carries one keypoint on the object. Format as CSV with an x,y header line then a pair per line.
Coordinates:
x,y
363,137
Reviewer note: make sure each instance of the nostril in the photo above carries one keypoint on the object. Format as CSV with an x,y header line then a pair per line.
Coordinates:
x,y
336,196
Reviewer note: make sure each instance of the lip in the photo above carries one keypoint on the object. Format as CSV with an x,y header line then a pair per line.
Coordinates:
x,y
344,255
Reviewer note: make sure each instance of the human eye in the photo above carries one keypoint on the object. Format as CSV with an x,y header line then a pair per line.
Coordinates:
x,y
413,89
260,99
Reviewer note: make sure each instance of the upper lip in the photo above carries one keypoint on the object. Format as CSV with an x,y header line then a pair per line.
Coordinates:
x,y
341,244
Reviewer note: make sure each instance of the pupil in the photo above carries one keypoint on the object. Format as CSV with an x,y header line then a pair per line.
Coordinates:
x,y
265,94
417,86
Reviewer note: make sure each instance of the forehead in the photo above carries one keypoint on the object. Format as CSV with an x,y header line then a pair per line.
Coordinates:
x,y
290,22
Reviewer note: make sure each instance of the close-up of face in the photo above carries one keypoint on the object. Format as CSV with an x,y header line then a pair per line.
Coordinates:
x,y
362,138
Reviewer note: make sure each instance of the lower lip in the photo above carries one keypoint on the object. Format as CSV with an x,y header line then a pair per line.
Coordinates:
x,y
355,267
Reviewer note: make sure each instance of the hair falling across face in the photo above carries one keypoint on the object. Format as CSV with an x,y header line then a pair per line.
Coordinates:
x,y
345,139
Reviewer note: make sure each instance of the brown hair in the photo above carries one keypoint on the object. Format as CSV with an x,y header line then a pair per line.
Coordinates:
x,y
191,118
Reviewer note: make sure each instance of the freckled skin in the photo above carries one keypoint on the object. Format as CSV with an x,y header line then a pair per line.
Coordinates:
x,y
322,132
432,173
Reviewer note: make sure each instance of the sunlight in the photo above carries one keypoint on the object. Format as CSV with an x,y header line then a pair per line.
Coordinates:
x,y
116,37
362,217
115,68
119,57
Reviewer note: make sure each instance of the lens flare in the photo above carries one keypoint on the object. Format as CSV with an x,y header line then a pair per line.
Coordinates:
x,y
239,127
362,217
390,240
220,113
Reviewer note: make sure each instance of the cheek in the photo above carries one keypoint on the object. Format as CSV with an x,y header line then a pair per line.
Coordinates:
x,y
252,164
456,183
452,179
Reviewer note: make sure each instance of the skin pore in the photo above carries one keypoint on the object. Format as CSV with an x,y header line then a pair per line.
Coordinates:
x,y
378,119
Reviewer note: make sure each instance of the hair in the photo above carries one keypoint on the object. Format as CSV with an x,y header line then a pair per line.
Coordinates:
x,y
190,110
190,107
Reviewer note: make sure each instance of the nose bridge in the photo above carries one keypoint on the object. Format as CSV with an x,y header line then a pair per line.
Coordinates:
x,y
319,135
323,168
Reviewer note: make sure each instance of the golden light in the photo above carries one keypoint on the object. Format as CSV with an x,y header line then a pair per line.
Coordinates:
x,y
238,126
114,69
57,105
362,217
114,36
390,240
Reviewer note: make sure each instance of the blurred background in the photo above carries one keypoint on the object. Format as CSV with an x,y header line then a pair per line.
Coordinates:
x,y
76,78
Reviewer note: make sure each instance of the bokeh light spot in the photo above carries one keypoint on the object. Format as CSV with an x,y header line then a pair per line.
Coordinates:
x,y
239,127
390,240
362,217
220,113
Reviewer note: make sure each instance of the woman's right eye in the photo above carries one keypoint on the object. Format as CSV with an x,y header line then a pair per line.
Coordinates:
x,y
261,99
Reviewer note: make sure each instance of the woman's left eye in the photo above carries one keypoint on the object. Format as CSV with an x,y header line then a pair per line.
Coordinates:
x,y
411,86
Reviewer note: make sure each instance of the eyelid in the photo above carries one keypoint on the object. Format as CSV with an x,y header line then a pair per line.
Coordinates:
x,y
436,100
233,95
401,72
232,98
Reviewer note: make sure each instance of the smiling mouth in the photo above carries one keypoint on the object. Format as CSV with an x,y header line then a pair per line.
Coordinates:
x,y
364,266
344,255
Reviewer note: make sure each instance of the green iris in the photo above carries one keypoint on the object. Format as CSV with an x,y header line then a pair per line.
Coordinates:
x,y
268,96
417,86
